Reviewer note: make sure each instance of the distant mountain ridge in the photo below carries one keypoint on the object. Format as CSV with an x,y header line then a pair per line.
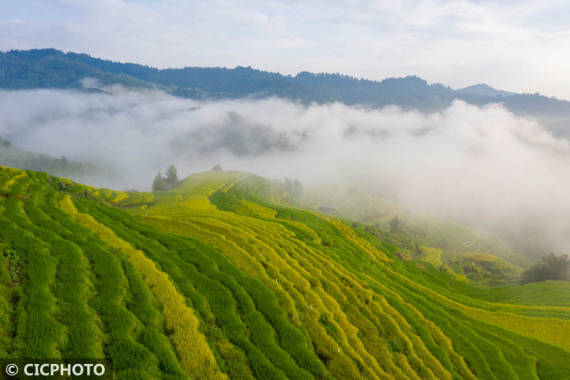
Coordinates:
x,y
51,68
483,89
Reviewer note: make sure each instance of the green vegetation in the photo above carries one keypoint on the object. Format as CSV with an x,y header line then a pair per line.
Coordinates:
x,y
168,182
22,159
550,267
220,277
452,247
15,266
396,225
50,68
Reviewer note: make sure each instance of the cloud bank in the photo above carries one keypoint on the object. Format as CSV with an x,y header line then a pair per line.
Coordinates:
x,y
479,165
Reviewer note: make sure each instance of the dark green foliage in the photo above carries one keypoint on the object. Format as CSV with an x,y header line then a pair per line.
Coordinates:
x,y
168,182
550,267
396,225
158,184
51,68
15,265
217,168
171,177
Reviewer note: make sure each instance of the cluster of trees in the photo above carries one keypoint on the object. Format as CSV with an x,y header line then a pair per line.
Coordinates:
x,y
168,181
293,189
396,225
550,267
15,265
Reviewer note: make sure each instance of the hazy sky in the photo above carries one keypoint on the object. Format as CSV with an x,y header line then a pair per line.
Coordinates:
x,y
521,46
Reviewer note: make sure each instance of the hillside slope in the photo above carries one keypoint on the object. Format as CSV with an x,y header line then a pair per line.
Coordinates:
x,y
470,252
51,68
13,156
220,278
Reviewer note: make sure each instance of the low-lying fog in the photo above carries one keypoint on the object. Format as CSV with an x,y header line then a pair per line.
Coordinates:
x,y
480,165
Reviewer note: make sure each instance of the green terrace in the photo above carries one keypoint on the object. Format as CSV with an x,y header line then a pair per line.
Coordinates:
x,y
223,277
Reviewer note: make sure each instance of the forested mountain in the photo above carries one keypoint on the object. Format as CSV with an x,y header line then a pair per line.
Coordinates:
x,y
482,89
50,68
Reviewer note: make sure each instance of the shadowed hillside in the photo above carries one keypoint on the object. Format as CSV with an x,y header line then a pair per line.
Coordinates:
x,y
13,156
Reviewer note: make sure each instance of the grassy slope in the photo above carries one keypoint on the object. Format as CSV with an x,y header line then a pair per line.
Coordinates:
x,y
220,278
457,246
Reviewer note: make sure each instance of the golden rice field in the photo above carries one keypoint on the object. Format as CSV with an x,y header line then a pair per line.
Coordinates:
x,y
223,278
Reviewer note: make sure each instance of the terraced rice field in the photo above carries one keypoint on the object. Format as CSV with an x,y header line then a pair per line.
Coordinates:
x,y
220,278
